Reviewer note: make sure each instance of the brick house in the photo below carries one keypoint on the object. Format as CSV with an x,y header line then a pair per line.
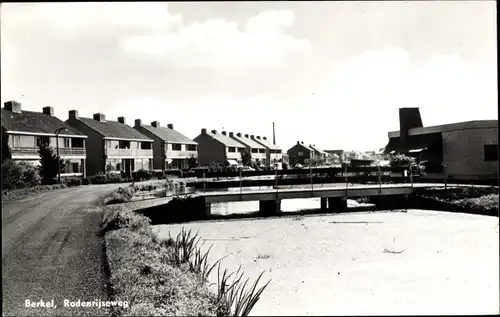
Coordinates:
x,y
171,149
217,148
257,150
300,154
28,130
274,154
464,150
113,145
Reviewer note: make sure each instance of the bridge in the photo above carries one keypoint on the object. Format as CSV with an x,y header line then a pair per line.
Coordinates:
x,y
333,197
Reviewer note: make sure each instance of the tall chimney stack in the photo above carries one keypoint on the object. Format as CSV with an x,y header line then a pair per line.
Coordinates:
x,y
121,120
274,136
48,111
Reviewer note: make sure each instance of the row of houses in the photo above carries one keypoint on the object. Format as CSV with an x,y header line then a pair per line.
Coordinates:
x,y
95,145
464,150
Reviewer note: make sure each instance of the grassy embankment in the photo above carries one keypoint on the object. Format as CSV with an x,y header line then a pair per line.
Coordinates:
x,y
17,194
167,277
471,197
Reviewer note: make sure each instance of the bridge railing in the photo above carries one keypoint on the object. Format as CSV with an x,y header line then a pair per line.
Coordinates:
x,y
316,178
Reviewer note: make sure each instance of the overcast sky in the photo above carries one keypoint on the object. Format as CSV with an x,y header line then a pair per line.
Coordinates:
x,y
328,73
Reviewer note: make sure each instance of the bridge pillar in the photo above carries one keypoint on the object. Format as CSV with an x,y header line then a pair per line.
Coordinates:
x,y
390,201
207,211
337,204
324,203
269,208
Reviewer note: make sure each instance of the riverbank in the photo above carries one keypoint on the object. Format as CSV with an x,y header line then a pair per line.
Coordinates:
x,y
392,262
166,276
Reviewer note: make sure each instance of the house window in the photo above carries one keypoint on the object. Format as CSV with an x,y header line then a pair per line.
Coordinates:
x,y
124,144
146,145
300,154
78,142
255,150
42,140
231,149
191,147
176,147
66,142
262,151
16,140
491,152
241,149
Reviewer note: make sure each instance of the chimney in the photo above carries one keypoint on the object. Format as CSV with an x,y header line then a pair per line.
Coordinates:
x,y
252,137
99,117
155,124
73,114
203,131
264,138
231,134
121,120
224,133
298,142
214,131
302,142
170,126
238,135
138,122
274,136
258,137
246,136
13,106
48,111
409,118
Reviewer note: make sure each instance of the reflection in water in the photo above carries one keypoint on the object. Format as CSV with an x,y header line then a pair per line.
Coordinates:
x,y
243,207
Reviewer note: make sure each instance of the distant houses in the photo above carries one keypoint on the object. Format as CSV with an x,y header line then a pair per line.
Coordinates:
x,y
218,148
171,149
300,154
28,130
113,145
257,151
274,153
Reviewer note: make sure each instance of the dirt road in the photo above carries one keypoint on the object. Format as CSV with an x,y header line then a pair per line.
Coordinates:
x,y
51,250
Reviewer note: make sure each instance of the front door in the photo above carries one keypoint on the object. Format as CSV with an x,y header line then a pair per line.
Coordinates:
x,y
128,166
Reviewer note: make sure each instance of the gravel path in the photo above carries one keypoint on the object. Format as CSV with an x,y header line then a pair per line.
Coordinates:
x,y
51,250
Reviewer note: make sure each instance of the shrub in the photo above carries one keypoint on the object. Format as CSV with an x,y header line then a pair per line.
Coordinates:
x,y
109,178
121,195
119,219
142,174
72,181
17,175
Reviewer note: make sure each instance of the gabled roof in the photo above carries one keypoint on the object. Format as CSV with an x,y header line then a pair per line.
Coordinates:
x,y
169,135
114,129
268,144
35,122
249,142
305,147
316,149
226,140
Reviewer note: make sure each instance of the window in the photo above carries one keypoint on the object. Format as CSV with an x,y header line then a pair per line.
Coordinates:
x,y
262,151
146,145
176,147
491,152
16,140
66,142
231,149
124,144
255,150
42,140
77,142
191,147
241,149
300,153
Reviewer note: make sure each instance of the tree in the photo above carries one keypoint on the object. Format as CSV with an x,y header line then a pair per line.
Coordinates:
x,y
246,157
192,162
48,162
6,154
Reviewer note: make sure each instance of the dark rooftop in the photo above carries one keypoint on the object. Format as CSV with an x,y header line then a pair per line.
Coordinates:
x,y
169,135
114,129
35,122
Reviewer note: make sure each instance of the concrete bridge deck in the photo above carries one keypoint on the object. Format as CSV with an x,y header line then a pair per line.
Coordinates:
x,y
337,191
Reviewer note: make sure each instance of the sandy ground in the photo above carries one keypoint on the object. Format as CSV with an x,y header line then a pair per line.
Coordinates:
x,y
51,250
419,262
